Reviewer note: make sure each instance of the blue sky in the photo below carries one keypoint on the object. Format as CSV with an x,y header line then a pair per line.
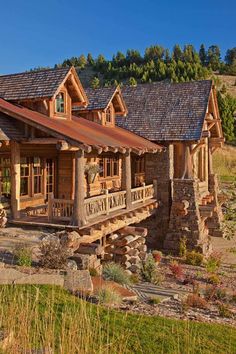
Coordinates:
x,y
42,33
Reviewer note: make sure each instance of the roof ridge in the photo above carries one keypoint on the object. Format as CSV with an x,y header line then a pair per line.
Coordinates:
x,y
36,71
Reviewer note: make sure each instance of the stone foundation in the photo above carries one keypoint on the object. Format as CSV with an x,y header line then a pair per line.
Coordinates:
x,y
185,218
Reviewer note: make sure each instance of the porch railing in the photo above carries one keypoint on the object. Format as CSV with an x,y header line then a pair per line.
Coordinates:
x,y
141,194
62,209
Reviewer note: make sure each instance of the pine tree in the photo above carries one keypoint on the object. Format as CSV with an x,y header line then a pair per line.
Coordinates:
x,y
132,81
227,107
203,55
213,57
95,82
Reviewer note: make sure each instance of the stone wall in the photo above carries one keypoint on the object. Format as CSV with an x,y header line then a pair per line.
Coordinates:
x,y
159,167
185,218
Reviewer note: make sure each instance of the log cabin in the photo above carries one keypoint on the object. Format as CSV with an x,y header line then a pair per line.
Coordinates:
x,y
184,118
61,169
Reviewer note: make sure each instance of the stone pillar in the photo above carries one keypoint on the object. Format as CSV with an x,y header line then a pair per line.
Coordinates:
x,y
185,219
15,179
79,195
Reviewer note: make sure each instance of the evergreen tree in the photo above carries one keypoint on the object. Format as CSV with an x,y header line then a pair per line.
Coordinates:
x,y
230,56
81,61
133,56
213,57
90,59
95,82
177,53
154,53
227,107
132,81
203,55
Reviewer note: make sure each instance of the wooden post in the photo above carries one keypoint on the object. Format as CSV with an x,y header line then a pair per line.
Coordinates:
x,y
15,179
144,192
79,207
127,179
155,188
107,201
50,206
188,167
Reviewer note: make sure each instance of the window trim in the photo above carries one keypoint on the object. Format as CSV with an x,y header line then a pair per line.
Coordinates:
x,y
64,113
113,160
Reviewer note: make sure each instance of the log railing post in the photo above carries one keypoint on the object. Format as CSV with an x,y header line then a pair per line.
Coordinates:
x,y
107,201
15,179
50,206
144,192
79,207
127,179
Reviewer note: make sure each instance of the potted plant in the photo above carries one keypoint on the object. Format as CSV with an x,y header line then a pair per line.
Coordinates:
x,y
91,171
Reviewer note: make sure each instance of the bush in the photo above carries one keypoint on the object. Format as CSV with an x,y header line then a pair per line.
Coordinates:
x,y
215,293
176,269
213,262
183,247
108,296
93,272
24,256
194,300
114,271
154,300
194,258
149,271
53,254
157,255
224,311
214,279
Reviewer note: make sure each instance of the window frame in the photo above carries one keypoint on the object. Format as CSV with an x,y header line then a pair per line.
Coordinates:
x,y
109,162
62,92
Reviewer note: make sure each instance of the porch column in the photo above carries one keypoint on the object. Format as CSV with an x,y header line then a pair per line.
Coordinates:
x,y
127,178
79,194
188,166
15,179
210,162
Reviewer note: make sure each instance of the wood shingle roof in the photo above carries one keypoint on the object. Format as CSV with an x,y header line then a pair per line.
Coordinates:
x,y
32,84
98,98
166,111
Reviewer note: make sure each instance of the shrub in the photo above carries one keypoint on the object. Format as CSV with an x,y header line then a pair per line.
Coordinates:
x,y
149,271
154,300
114,271
176,269
224,310
93,272
157,255
183,247
233,298
213,262
24,256
194,300
108,296
53,254
215,293
194,258
214,279
134,278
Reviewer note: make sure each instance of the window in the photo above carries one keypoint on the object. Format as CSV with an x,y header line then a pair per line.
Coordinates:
x,y
25,176
109,167
109,115
31,176
139,165
38,173
60,103
50,176
5,176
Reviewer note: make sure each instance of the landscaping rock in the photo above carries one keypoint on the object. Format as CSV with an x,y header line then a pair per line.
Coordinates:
x,y
41,279
9,275
79,281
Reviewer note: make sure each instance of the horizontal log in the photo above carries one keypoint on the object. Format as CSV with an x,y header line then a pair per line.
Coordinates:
x,y
136,231
133,252
122,250
90,249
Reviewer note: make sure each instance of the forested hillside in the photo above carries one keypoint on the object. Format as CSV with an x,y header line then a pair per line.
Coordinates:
x,y
158,63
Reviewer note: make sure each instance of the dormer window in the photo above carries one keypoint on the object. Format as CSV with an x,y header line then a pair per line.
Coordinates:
x,y
108,115
60,103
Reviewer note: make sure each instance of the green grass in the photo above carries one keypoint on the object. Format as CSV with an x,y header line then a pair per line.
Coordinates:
x,y
42,316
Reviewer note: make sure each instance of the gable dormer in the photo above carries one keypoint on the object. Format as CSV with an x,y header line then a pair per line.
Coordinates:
x,y
51,92
104,105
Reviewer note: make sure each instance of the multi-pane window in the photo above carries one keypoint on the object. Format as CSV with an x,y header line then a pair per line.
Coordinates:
x,y
109,115
31,176
50,176
60,103
25,176
38,174
5,176
109,167
139,164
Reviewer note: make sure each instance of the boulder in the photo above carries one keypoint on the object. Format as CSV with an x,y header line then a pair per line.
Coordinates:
x,y
79,281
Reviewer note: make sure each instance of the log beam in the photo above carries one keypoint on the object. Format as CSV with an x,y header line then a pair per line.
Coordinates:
x,y
78,214
15,179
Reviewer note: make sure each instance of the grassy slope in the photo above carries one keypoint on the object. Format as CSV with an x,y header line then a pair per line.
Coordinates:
x,y
224,161
50,316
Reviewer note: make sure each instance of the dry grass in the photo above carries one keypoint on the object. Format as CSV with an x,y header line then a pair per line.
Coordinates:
x,y
224,161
